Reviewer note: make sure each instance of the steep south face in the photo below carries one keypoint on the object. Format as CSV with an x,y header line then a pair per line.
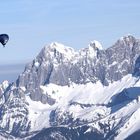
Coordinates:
x,y
62,65
122,57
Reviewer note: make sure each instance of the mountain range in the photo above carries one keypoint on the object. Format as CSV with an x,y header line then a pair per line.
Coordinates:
x,y
63,94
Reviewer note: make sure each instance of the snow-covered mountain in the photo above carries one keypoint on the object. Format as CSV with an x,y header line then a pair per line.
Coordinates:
x,y
93,93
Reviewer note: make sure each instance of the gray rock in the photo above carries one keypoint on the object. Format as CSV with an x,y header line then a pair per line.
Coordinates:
x,y
52,66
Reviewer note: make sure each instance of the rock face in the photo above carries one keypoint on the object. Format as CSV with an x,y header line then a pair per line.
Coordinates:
x,y
60,65
13,111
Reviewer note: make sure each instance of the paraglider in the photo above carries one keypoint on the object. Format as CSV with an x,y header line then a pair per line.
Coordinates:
x,y
4,39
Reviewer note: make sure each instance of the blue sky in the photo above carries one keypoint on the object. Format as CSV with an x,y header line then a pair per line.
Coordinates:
x,y
31,24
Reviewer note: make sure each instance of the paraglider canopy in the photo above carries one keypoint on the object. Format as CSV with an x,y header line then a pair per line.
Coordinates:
x,y
4,39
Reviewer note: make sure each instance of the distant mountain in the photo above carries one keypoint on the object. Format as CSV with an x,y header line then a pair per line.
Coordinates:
x,y
66,94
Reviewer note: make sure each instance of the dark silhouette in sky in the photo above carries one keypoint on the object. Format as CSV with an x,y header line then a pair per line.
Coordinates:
x,y
4,39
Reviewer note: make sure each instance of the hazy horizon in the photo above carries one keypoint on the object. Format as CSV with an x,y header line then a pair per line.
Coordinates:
x,y
11,72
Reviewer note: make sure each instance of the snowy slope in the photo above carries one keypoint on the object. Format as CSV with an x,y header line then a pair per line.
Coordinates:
x,y
90,102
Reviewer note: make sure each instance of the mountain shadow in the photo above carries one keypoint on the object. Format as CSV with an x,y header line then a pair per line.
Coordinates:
x,y
123,98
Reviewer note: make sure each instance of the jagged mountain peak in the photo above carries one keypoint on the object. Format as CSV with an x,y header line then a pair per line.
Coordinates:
x,y
91,51
60,47
96,45
127,37
57,51
89,64
128,40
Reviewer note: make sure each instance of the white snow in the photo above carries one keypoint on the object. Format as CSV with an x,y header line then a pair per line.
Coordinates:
x,y
96,44
89,52
36,64
68,52
89,93
95,95
5,84
55,50
22,88
132,124
38,114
